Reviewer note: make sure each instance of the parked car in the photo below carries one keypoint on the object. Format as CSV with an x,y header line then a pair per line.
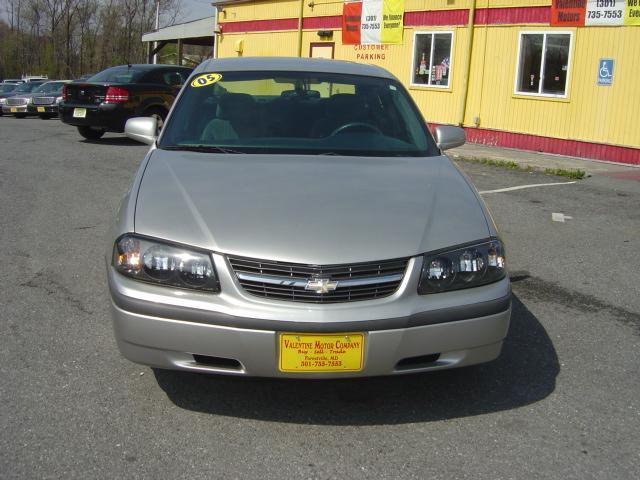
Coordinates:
x,y
35,78
295,218
15,102
45,99
6,90
104,102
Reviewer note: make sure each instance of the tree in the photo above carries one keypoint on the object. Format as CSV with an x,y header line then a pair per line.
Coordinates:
x,y
67,38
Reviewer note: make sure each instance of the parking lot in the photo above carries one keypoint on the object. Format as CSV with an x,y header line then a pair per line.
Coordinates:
x,y
562,401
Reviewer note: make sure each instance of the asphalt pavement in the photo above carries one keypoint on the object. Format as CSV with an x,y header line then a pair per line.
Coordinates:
x,y
562,401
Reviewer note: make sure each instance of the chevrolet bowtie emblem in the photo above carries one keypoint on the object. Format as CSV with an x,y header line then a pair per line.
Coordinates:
x,y
321,285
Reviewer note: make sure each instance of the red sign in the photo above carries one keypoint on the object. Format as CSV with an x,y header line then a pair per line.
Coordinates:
x,y
351,16
568,13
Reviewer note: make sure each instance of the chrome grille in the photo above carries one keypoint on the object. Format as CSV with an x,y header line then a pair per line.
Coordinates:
x,y
288,281
43,100
16,101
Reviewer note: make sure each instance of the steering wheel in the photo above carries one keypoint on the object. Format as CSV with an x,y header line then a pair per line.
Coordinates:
x,y
347,126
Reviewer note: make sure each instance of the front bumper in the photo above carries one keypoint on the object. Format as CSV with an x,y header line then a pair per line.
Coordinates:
x,y
7,110
238,334
42,109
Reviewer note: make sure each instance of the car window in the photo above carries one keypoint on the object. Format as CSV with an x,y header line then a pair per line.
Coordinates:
x,y
7,88
173,78
298,112
26,87
49,87
154,76
122,74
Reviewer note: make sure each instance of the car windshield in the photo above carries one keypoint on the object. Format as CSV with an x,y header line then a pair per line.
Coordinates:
x,y
26,87
123,74
49,87
7,87
297,113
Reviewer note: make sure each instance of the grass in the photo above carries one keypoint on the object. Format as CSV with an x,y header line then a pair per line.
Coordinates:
x,y
511,165
561,172
497,163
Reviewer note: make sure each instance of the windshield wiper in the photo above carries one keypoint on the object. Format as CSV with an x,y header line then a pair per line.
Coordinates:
x,y
201,148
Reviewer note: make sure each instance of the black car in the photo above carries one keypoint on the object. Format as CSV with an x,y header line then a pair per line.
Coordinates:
x,y
44,101
105,102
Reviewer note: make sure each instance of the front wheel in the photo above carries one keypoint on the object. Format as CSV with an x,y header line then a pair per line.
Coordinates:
x,y
45,117
91,133
20,115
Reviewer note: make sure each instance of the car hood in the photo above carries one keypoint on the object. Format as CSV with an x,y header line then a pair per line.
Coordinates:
x,y
308,209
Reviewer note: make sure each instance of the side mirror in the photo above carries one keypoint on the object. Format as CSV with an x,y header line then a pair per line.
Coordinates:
x,y
449,137
142,129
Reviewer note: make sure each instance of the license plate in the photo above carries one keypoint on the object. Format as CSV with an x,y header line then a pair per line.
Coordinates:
x,y
340,352
79,112
40,109
13,110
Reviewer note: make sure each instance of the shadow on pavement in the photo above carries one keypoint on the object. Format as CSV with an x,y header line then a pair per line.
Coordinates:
x,y
123,141
523,374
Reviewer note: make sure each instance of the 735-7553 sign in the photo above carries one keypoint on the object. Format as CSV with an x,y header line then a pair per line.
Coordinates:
x,y
372,22
579,13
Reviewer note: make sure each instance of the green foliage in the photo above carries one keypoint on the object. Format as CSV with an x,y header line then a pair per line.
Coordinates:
x,y
68,38
511,165
561,172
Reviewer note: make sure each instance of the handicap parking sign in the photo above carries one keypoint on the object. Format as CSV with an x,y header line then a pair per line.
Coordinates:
x,y
605,71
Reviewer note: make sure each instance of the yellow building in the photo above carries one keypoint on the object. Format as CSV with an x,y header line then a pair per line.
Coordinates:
x,y
515,73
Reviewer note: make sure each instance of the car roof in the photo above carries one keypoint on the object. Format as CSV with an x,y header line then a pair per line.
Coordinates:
x,y
292,64
146,66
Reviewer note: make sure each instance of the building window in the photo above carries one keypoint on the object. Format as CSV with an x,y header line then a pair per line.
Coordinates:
x,y
543,64
432,59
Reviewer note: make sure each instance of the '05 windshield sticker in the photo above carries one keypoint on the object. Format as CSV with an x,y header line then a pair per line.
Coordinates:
x,y
206,79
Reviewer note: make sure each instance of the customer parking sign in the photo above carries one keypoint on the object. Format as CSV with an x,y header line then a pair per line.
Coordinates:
x,y
605,71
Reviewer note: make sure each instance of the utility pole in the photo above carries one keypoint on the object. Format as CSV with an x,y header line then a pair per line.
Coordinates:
x,y
155,44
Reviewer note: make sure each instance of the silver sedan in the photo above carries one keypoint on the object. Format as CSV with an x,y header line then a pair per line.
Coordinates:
x,y
295,218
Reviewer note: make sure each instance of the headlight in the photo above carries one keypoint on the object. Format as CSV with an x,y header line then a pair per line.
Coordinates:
x,y
29,99
58,99
158,262
463,268
2,100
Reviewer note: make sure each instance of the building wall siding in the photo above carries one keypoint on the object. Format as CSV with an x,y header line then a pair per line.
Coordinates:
x,y
590,113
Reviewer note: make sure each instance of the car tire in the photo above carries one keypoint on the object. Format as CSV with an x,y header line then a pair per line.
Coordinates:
x,y
45,117
20,115
158,113
91,133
